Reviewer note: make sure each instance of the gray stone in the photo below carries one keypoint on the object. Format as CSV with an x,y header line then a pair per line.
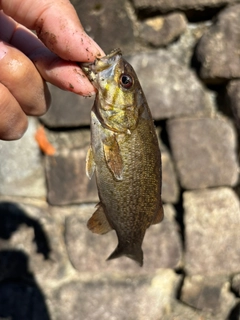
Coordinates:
x,y
236,284
171,89
209,294
88,252
212,224
233,95
30,243
218,49
107,22
170,187
67,110
204,151
118,298
166,5
64,141
160,31
181,311
183,48
67,180
21,170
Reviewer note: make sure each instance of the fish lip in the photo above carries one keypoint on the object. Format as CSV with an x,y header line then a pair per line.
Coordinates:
x,y
92,68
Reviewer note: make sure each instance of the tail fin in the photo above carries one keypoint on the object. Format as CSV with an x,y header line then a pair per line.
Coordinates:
x,y
133,252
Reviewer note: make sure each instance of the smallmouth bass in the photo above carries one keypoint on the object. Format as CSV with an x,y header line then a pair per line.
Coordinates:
x,y
125,156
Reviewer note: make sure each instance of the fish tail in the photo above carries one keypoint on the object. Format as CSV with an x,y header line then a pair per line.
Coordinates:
x,y
133,252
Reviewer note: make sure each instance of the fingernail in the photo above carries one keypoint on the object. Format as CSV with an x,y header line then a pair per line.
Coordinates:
x,y
3,49
91,94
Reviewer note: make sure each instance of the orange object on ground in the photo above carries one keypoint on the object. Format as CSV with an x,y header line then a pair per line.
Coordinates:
x,y
43,142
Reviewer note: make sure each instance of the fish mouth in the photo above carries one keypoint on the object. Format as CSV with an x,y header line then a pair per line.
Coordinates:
x,y
91,69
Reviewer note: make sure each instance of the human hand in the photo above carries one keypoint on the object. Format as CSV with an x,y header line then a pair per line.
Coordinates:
x,y
27,62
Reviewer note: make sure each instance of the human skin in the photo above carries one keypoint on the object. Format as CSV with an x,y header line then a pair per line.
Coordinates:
x,y
27,60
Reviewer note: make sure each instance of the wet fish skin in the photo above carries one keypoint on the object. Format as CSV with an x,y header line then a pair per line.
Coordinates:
x,y
124,155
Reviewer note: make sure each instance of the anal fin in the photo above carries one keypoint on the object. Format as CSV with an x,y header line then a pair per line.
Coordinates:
x,y
98,223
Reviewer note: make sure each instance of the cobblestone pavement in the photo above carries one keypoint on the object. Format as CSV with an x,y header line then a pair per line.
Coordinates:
x,y
186,54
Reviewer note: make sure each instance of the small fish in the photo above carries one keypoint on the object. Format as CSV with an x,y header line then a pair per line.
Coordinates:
x,y
124,155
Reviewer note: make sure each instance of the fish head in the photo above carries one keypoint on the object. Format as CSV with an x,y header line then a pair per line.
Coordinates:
x,y
118,89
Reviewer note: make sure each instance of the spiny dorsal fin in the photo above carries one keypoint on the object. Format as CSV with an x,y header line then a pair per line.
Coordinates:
x,y
90,164
98,222
113,157
159,216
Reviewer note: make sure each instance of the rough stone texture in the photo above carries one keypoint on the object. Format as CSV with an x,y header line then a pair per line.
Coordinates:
x,y
160,31
52,267
183,312
183,48
170,187
107,22
67,110
218,50
185,87
212,224
166,5
63,141
211,294
117,299
21,170
30,241
233,95
67,180
204,151
88,251
236,284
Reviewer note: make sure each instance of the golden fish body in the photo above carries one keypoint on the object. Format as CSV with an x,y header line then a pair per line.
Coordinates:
x,y
125,156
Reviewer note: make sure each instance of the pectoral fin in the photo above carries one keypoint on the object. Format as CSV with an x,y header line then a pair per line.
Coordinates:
x,y
113,157
90,164
159,216
98,222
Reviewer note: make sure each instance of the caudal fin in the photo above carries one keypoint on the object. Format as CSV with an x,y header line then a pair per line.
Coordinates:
x,y
133,252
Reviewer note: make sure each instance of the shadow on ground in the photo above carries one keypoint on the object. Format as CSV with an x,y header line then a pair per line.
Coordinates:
x,y
20,295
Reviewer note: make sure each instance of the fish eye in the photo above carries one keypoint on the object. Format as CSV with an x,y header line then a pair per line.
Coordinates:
x,y
126,81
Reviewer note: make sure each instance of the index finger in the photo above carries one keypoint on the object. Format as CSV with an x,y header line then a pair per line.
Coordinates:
x,y
57,25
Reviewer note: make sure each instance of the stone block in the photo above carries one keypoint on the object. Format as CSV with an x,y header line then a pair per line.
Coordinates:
x,y
160,31
204,151
170,187
166,5
212,224
21,170
67,180
171,89
117,298
208,294
108,23
218,49
67,110
236,284
233,98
